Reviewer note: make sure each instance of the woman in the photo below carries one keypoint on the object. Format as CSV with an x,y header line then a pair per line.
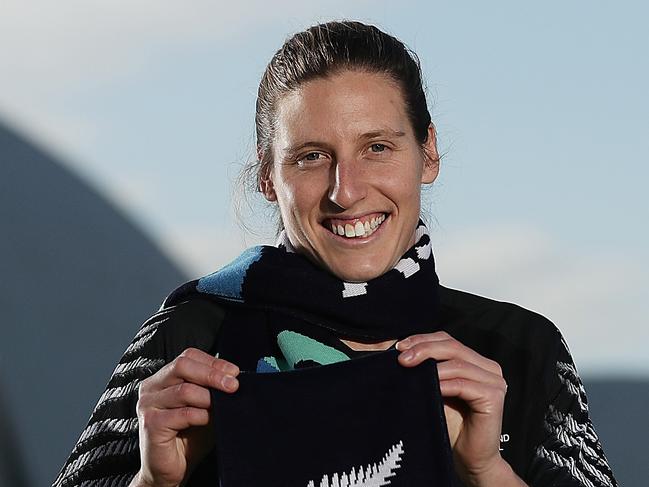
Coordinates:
x,y
344,143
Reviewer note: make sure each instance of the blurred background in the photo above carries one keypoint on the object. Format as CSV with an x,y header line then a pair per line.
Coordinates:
x,y
123,126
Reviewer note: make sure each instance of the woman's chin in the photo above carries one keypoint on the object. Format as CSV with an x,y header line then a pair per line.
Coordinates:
x,y
357,273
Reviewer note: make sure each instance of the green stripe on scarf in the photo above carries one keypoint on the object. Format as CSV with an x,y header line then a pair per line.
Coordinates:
x,y
297,347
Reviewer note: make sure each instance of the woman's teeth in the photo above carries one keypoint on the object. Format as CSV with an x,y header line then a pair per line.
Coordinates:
x,y
359,229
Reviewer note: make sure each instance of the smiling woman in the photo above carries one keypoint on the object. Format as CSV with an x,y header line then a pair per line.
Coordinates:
x,y
348,173
344,144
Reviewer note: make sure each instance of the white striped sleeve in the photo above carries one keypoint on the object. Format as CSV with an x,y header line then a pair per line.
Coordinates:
x,y
571,453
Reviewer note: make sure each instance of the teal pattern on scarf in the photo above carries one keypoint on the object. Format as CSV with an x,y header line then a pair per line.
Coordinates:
x,y
297,348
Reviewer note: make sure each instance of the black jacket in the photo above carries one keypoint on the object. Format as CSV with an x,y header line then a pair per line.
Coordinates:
x,y
547,435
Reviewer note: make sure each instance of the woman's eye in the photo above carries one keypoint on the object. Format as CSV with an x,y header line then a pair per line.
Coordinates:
x,y
309,158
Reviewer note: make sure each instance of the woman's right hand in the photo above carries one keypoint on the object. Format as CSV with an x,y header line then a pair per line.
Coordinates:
x,y
173,410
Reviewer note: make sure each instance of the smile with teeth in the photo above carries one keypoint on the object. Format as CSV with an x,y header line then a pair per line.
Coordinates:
x,y
362,227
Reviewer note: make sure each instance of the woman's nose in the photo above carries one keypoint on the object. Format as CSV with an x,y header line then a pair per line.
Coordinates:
x,y
348,185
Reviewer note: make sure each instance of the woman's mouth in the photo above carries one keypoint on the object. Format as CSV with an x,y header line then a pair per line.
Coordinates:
x,y
356,227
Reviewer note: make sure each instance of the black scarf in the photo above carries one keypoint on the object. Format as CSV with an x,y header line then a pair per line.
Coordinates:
x,y
306,425
402,302
367,422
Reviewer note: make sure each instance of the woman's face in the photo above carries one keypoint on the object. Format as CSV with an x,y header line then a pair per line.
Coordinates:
x,y
347,173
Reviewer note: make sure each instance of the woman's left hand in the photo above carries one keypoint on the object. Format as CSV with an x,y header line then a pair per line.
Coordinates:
x,y
474,390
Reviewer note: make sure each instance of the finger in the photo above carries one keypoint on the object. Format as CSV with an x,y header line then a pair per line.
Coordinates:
x,y
460,369
422,337
173,420
446,350
480,397
211,360
176,396
185,369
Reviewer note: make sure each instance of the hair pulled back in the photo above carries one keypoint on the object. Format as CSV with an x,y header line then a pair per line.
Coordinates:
x,y
324,50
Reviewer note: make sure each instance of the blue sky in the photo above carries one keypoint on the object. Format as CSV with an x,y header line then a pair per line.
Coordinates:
x,y
541,111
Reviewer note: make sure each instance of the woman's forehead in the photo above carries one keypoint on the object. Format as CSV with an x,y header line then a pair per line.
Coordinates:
x,y
350,105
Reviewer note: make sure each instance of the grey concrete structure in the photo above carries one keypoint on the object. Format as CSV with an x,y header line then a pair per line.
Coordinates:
x,y
77,279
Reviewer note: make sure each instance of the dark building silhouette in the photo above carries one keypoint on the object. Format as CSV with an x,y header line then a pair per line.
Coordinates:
x,y
13,471
619,408
76,280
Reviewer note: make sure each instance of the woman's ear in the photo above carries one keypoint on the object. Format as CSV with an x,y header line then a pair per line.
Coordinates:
x,y
267,189
431,157
265,181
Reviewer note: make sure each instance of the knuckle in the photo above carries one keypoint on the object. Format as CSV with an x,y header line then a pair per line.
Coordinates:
x,y
500,395
143,387
148,419
143,393
174,366
214,376
179,365
190,352
142,400
459,383
187,413
458,364
221,364
418,349
184,390
139,407
226,366
496,367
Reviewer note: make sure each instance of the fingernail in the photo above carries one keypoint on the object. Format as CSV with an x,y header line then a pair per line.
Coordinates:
x,y
402,344
407,356
229,382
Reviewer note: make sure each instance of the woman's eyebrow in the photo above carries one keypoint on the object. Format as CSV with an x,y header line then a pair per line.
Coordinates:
x,y
386,132
292,151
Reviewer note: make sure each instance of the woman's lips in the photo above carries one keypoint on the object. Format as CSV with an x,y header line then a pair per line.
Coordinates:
x,y
363,226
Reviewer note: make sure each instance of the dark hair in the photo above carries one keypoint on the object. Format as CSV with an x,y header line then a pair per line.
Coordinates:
x,y
324,50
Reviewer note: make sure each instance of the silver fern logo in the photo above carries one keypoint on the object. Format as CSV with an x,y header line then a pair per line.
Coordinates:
x,y
372,476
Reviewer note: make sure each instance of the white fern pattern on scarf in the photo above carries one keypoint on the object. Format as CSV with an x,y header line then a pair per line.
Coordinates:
x,y
372,476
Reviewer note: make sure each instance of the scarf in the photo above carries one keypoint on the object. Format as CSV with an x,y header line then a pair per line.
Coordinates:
x,y
366,422
276,279
356,423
